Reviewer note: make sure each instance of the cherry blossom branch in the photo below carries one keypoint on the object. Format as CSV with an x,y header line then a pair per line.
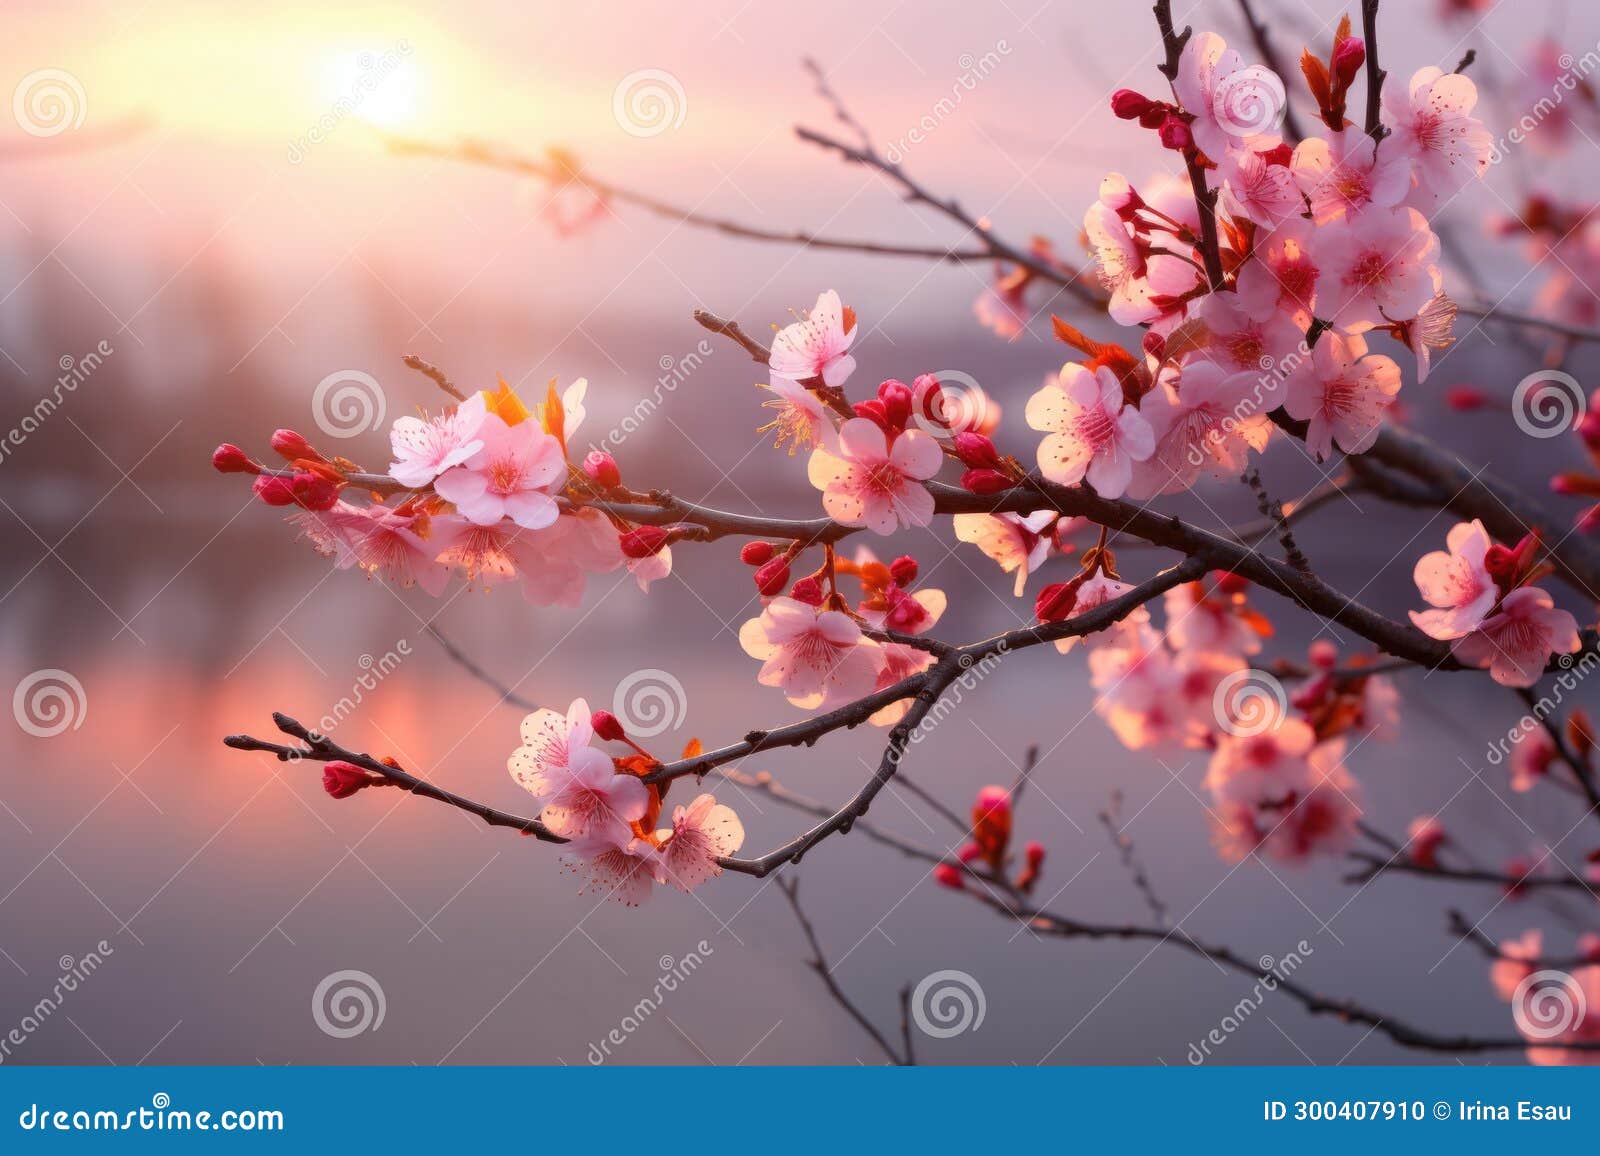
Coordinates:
x,y
1269,56
321,749
1205,199
1374,865
818,963
1469,932
1375,75
434,374
1573,761
1111,818
467,663
1510,317
1049,923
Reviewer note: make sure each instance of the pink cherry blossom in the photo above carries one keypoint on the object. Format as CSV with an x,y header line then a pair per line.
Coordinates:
x,y
802,419
1281,276
1241,342
817,657
701,833
1456,583
817,347
1272,767
1377,267
381,541
558,560
1259,189
1097,591
1431,329
1531,759
1518,956
550,741
584,796
1020,543
1093,434
1140,285
1516,642
1342,392
1576,1009
870,483
624,868
1434,127
1206,622
1205,420
511,476
425,449
1348,173
1234,106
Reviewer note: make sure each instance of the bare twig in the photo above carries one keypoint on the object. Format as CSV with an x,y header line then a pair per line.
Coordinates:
x,y
1375,75
1111,819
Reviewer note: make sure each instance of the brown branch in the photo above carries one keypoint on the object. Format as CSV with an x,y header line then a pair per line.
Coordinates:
x,y
1269,57
1511,317
1205,199
1375,75
1466,61
1111,819
467,663
1374,865
434,374
1468,932
1581,771
819,964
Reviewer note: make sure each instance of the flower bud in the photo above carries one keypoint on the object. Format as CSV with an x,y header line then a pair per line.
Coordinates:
x,y
1175,134
1324,653
968,852
872,409
1589,946
602,468
1055,601
991,822
903,570
948,875
772,577
985,481
644,541
230,459
606,726
341,779
976,451
896,399
292,447
1034,853
807,590
1348,57
1154,345
756,553
1127,104
274,489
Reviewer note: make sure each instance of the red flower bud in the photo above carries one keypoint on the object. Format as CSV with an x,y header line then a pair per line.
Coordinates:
x,y
1129,105
872,409
1034,853
1055,601
1282,155
969,852
644,541
1154,345
948,875
310,491
929,395
807,590
1175,134
1588,521
896,399
1589,946
602,467
976,451
230,459
904,570
755,553
991,823
274,490
341,779
772,577
1324,654
1348,57
292,447
985,481
606,726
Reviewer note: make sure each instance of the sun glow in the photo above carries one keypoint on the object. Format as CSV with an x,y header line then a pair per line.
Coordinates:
x,y
377,86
